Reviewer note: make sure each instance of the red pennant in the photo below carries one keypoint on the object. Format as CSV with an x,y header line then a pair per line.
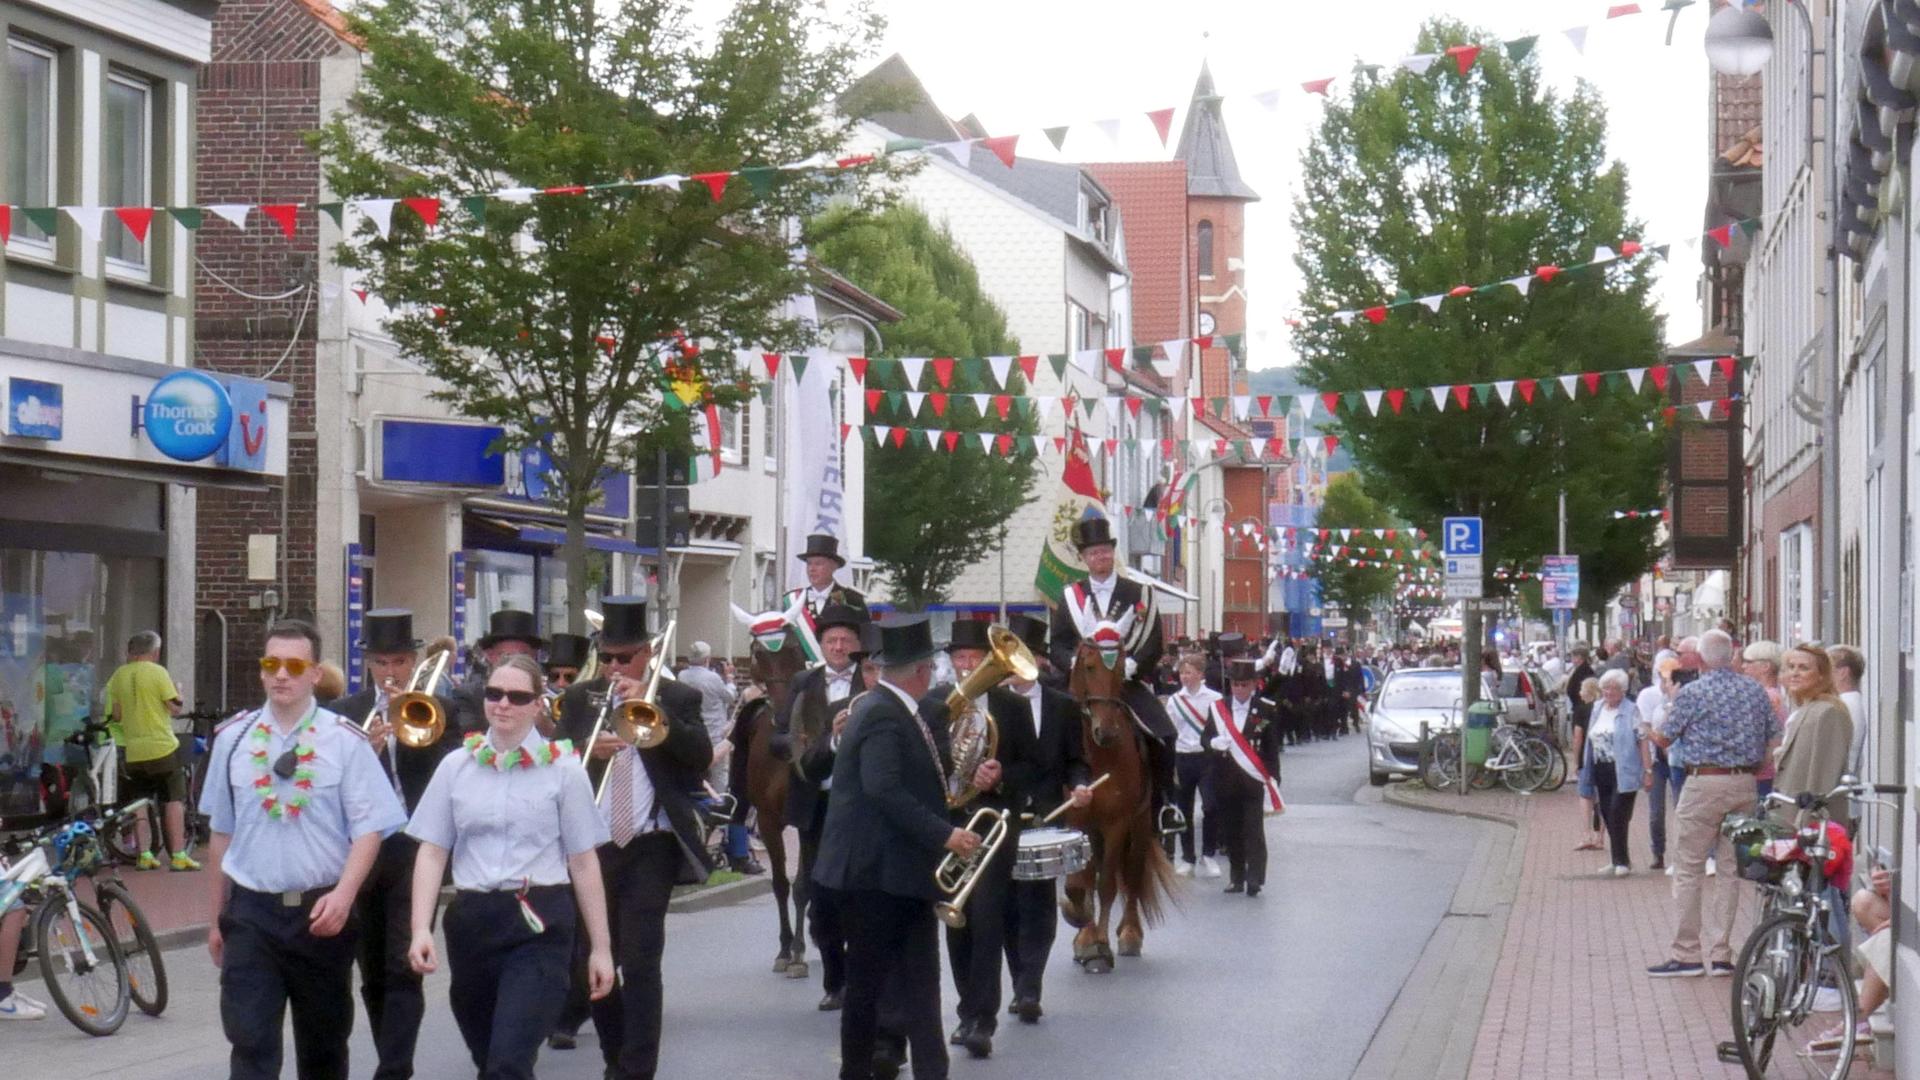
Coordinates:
x,y
1459,291
858,365
1547,273
1659,376
1525,386
1618,10
1109,447
1629,248
428,209
1464,56
874,398
6,222
1667,414
1067,403
1390,534
1396,398
1166,447
1276,447
363,293
949,439
1002,147
1205,341
565,189
716,182
1324,533
1219,448
1265,401
1001,402
939,402
1726,364
1117,359
943,371
1332,402
439,313
1592,380
1317,86
854,161
772,360
283,214
1162,122
1722,235
1003,444
1332,443
899,437
137,219
1027,365
1059,444
844,428
1199,407
1376,315
1463,393
1133,406
606,343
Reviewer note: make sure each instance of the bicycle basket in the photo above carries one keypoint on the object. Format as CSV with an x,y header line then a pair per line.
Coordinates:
x,y
1762,849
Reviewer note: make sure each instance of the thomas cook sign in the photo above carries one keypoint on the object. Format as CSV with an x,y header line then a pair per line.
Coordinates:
x,y
187,416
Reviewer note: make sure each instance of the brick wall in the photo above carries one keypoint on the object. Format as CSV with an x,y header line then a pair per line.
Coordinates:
x,y
257,99
1226,287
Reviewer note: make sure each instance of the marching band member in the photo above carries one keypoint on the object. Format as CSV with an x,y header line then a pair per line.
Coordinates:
x,y
804,734
1106,594
1045,728
297,821
516,814
885,832
566,655
388,984
1193,766
510,632
657,839
1240,729
824,560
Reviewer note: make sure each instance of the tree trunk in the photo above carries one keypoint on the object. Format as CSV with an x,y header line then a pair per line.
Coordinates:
x,y
574,552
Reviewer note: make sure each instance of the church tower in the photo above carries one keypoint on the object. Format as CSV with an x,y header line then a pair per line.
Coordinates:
x,y
1216,229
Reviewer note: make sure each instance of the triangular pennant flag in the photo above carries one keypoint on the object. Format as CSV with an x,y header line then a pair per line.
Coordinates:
x,y
1659,376
1433,302
1332,402
1439,397
1113,406
1028,365
1134,404
1504,388
1002,147
772,361
716,182
1521,46
1332,443
999,366
1482,392
44,218
1727,365
1592,379
915,399
1110,128
1547,273
1058,362
899,437
1311,86
1162,123
1635,376
1461,393
361,292
189,217
1525,386
1722,235
1117,359
87,219
1705,408
798,362
1242,405
428,210
979,405
1603,254
1567,383
933,438
234,214
880,433
1396,398
1376,315
137,219
1464,56
760,179
1044,407
476,208
874,398
950,440
986,441
1522,283
378,211
1418,63
913,366
284,215
858,365
943,371
1704,369
336,212
1176,408
1577,35
1373,401
1057,136
958,151
1265,401
1629,248
1618,10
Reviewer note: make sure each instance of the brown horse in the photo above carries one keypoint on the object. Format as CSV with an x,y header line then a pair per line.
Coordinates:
x,y
766,791
1127,856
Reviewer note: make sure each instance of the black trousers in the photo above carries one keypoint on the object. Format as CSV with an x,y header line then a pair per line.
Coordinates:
x,y
974,950
639,881
1616,809
273,962
1152,714
823,914
1242,803
388,985
1033,919
892,947
1194,773
508,983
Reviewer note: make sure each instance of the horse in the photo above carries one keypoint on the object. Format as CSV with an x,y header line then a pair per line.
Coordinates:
x,y
766,782
1127,854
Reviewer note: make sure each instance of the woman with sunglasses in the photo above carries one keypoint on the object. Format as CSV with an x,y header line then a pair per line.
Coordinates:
x,y
516,815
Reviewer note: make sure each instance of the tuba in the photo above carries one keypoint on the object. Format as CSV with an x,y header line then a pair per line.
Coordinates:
x,y
972,736
416,715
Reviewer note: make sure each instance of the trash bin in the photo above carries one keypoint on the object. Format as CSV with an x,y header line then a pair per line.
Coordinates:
x,y
1482,716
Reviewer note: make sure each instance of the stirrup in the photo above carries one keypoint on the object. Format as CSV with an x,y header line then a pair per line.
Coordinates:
x,y
1172,820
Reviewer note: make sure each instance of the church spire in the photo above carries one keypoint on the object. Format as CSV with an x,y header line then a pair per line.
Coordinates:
x,y
1205,147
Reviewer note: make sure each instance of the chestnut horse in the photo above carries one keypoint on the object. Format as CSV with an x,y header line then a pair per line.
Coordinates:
x,y
766,791
1127,855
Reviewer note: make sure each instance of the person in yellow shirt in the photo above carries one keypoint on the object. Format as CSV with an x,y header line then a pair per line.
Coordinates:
x,y
141,702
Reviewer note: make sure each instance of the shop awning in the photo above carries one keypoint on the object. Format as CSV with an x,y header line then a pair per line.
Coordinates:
x,y
598,542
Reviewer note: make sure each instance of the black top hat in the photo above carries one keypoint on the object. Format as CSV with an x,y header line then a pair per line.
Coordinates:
x,y
837,615
568,650
623,621
905,640
823,545
1032,633
1242,670
1231,644
968,634
512,624
388,630
869,640
1092,532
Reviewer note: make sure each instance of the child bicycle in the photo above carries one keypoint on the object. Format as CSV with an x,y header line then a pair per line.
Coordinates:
x,y
85,971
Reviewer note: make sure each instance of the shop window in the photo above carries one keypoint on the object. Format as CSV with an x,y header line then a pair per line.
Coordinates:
x,y
33,108
127,147
1796,583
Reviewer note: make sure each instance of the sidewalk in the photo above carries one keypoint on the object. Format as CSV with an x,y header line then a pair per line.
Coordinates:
x,y
1570,997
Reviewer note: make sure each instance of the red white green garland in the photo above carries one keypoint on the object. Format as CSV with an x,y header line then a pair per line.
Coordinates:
x,y
519,757
303,755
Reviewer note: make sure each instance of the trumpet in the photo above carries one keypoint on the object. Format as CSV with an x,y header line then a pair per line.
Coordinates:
x,y
416,715
640,722
972,736
958,874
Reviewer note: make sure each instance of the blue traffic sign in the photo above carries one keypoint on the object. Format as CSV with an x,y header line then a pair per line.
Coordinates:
x,y
1460,536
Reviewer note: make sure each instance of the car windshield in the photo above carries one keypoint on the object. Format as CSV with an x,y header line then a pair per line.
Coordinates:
x,y
1426,690
1510,685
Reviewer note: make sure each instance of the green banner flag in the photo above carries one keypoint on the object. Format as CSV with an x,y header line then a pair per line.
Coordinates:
x,y
189,217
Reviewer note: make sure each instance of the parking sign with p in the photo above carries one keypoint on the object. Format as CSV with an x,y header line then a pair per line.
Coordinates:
x,y
1460,536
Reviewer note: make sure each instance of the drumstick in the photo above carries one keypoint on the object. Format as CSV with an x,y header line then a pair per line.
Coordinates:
x,y
1062,808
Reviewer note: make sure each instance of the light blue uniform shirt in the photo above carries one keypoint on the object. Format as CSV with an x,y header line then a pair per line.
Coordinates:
x,y
350,798
509,827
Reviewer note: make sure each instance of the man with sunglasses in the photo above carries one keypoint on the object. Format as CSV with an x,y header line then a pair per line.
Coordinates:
x,y
658,842
298,804
510,632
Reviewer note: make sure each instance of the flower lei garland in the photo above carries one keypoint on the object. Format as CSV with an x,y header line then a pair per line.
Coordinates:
x,y
303,755
519,757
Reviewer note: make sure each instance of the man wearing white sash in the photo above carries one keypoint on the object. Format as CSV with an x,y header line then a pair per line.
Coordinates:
x,y
1241,729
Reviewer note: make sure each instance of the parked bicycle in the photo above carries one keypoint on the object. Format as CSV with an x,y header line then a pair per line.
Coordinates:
x,y
146,968
1792,955
85,972
1519,756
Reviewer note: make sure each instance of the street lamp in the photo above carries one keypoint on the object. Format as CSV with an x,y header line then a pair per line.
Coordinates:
x,y
1739,41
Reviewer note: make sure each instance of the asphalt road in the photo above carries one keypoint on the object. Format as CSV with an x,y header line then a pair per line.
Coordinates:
x,y
1292,984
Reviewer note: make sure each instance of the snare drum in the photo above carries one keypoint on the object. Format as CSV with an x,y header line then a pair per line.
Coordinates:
x,y
1048,853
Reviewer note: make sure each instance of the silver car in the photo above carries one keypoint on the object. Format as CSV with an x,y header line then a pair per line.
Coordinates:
x,y
1406,699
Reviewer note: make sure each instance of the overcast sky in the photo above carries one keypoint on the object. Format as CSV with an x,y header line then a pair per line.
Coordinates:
x,y
1023,65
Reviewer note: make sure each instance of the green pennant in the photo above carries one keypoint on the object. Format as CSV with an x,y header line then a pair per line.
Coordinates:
x,y
1058,361
44,218
189,217
1401,298
1520,47
1371,70
1662,250
1025,444
1056,135
765,390
1354,400
1750,226
1483,392
760,178
896,400
1218,406
1087,405
1233,343
901,146
672,401
1142,354
476,208
333,210
1614,380
798,361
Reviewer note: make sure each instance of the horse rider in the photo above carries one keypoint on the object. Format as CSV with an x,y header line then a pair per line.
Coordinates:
x,y
510,632
388,984
805,734
657,836
1242,730
1045,729
1104,595
885,833
823,559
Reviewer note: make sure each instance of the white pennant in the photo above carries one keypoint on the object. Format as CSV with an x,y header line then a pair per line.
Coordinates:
x,y
957,151
1307,403
1268,99
1569,383
1604,254
88,220
1110,127
1439,397
913,366
1704,369
1505,390
1433,302
1379,534
1242,405
914,400
1523,283
1418,63
234,214
986,441
378,211
670,182
1089,360
933,439
516,194
1254,447
1705,408
1113,411
1373,401
1578,36
1095,443
1175,348
1000,365
1046,406
980,403
1344,318
1176,407
880,433
1163,368
1634,376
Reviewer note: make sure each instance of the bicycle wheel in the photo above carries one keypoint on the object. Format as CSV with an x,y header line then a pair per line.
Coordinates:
x,y
146,970
91,992
120,835
1556,770
1535,764
1440,761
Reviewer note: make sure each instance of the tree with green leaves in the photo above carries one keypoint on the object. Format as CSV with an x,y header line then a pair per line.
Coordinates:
x,y
571,312
931,513
1356,589
1414,184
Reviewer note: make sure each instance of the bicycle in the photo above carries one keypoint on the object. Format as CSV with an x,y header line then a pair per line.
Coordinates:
x,y
99,793
85,972
1521,760
1791,954
146,968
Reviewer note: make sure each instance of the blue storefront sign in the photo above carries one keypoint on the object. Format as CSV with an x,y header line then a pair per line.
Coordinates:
x,y
246,443
439,452
33,409
356,619
187,416
613,494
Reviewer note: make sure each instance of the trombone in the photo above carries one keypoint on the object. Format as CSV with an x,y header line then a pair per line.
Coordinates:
x,y
958,874
639,723
416,715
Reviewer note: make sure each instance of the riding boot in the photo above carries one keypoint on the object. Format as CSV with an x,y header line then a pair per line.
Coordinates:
x,y
1160,765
